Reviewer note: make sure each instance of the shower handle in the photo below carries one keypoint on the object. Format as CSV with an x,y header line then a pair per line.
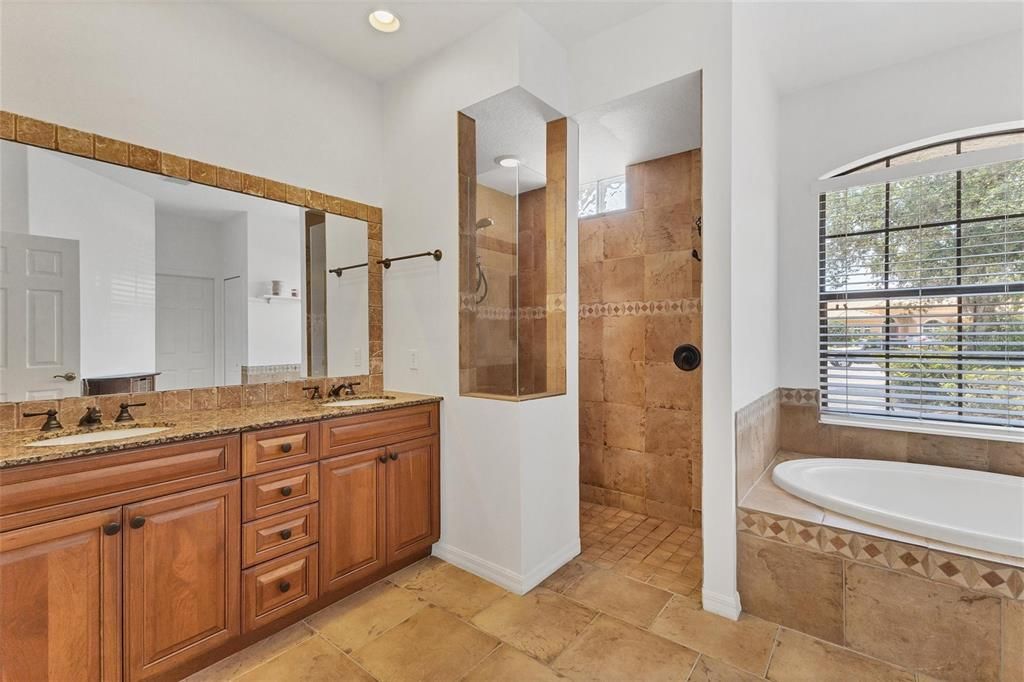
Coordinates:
x,y
687,357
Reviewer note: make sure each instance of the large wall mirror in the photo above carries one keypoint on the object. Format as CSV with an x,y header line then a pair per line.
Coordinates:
x,y
116,280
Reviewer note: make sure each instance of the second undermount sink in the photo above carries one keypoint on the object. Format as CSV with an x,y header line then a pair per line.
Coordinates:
x,y
97,436
355,402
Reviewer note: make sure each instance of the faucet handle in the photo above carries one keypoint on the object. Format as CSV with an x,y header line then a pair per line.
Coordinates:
x,y
51,423
315,395
124,415
350,387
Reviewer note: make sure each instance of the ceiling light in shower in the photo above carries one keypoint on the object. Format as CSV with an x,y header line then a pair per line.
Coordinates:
x,y
384,21
507,161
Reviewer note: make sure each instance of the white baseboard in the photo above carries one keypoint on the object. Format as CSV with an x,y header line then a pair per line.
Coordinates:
x,y
720,604
501,576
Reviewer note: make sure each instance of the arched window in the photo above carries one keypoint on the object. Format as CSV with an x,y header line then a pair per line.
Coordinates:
x,y
931,241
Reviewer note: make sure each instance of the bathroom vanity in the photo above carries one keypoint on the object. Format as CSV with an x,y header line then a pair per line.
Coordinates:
x,y
153,558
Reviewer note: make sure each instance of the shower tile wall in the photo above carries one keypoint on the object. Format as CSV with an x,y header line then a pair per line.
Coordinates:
x,y
495,325
640,297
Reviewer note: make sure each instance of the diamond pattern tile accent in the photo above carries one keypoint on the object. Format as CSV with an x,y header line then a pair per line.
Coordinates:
x,y
944,567
635,308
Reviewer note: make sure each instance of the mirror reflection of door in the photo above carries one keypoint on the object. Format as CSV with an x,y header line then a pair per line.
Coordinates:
x,y
38,285
234,329
184,331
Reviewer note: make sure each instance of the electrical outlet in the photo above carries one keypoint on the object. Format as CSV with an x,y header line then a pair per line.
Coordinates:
x,y
414,359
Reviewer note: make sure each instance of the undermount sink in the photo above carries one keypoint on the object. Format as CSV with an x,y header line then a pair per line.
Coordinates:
x,y
97,436
354,402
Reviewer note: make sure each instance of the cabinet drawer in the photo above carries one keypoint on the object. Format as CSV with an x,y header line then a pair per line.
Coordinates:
x,y
277,491
271,449
42,492
365,431
278,587
279,534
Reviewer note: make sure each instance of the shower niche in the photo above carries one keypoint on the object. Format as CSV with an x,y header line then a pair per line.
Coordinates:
x,y
512,212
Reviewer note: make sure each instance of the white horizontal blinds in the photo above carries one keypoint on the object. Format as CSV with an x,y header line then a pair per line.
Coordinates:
x,y
921,298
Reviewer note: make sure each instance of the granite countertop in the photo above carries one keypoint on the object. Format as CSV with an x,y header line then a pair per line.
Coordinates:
x,y
14,450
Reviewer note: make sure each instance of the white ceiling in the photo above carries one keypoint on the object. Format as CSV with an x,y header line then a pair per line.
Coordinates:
x,y
646,125
511,123
341,30
806,44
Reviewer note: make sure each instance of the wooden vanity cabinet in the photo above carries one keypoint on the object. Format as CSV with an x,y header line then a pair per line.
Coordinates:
x,y
181,577
413,497
60,590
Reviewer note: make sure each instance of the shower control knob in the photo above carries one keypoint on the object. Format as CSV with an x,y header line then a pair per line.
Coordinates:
x,y
687,357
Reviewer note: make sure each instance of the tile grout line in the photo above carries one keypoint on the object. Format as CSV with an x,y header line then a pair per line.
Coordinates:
x,y
313,633
771,654
349,656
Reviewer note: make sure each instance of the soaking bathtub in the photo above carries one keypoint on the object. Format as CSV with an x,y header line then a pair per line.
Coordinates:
x,y
974,509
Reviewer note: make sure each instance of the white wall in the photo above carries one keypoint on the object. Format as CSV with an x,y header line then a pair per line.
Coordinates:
x,y
755,234
827,127
347,298
197,79
665,43
274,247
115,230
492,449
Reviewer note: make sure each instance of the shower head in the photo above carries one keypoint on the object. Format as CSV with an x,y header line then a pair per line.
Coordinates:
x,y
484,222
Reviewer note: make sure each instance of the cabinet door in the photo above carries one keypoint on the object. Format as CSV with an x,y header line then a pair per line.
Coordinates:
x,y
182,576
352,531
414,492
60,600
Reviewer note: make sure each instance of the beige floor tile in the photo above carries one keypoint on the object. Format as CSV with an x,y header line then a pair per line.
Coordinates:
x,y
459,591
315,660
567,575
410,573
254,655
507,664
610,649
798,657
431,645
619,596
746,643
357,619
541,623
713,670
680,584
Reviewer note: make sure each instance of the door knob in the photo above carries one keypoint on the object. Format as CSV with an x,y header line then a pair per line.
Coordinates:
x,y
66,376
687,357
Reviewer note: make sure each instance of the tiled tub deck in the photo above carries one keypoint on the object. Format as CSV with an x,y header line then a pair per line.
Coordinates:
x,y
945,612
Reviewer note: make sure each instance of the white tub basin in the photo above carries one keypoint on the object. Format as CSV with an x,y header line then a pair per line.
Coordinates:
x,y
355,402
97,436
975,509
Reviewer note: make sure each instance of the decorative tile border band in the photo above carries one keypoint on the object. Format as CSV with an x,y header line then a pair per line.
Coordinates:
x,y
799,396
638,308
467,304
942,567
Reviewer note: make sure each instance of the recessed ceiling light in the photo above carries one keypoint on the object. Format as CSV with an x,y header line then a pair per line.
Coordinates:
x,y
384,21
507,161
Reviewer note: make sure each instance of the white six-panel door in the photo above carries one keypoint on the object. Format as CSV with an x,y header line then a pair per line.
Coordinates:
x,y
184,332
39,316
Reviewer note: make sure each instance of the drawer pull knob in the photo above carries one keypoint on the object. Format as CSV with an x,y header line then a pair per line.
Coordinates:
x,y
393,456
286,533
286,491
286,448
284,586
137,522
112,528
382,459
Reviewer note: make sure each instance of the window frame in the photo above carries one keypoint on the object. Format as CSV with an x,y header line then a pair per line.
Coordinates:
x,y
879,171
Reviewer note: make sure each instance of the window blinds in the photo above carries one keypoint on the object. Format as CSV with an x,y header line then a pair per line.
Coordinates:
x,y
921,297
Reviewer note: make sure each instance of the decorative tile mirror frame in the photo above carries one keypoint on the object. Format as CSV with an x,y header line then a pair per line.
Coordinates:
x,y
52,136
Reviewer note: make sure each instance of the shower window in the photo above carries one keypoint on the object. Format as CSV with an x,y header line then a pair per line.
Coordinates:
x,y
921,287
512,204
603,196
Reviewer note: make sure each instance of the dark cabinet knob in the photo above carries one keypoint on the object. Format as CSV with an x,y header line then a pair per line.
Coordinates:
x,y
393,456
286,533
137,522
112,528
284,586
383,459
286,491
287,447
